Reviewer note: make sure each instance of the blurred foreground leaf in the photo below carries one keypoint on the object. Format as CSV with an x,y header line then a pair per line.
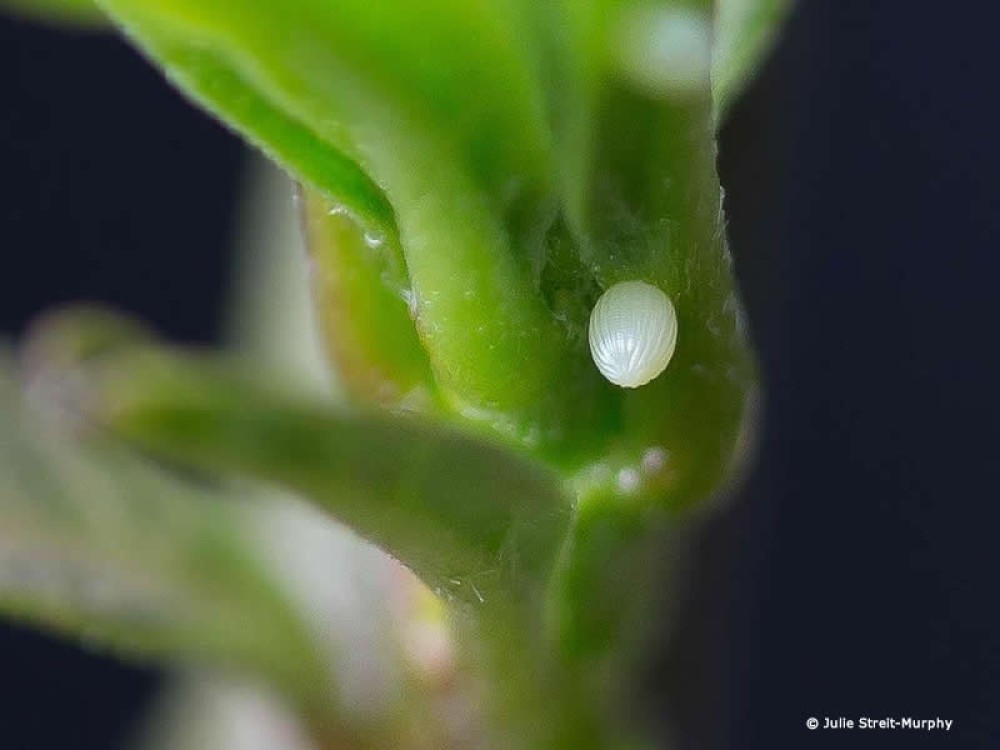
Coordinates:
x,y
99,545
471,518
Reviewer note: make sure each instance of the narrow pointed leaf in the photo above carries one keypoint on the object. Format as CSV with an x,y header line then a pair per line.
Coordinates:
x,y
470,517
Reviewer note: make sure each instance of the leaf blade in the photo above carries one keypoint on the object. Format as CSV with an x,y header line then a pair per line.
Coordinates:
x,y
448,504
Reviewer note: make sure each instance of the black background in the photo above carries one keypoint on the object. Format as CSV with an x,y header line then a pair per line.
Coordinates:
x,y
857,572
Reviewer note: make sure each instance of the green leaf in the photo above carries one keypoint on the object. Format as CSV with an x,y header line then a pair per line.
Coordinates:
x,y
208,77
357,71
83,13
744,33
100,545
471,518
384,85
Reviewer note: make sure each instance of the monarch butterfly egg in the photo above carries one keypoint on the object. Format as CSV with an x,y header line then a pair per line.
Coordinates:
x,y
633,332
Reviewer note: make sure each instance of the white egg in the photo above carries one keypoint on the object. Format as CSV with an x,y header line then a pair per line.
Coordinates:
x,y
633,332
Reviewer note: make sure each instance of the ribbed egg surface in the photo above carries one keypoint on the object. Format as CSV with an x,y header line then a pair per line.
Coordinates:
x,y
633,332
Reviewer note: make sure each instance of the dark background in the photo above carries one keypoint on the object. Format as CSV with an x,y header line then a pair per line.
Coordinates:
x,y
857,572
